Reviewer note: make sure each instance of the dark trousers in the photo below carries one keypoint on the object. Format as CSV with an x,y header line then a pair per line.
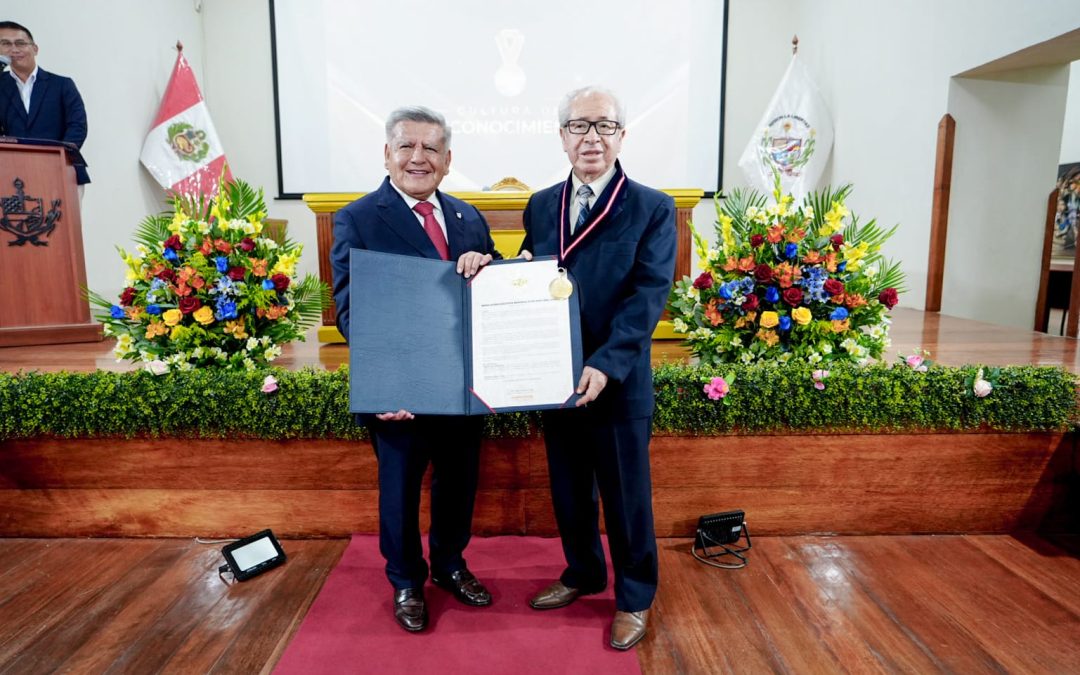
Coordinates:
x,y
404,449
591,451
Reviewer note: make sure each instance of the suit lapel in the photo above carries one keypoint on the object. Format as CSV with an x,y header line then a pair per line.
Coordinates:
x,y
397,217
607,207
41,88
10,99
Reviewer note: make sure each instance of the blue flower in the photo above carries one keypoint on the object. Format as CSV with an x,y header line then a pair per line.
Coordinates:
x,y
841,267
157,284
224,286
116,312
267,285
170,255
222,263
747,285
839,314
791,250
785,323
725,291
153,309
226,309
772,294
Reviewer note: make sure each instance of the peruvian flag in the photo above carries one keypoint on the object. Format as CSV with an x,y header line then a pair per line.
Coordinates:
x,y
182,150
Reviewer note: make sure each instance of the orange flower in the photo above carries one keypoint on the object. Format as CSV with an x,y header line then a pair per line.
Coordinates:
x,y
812,258
258,268
277,311
182,289
854,300
223,246
746,264
840,326
207,246
197,282
767,336
156,328
838,298
731,264
155,270
796,235
776,234
134,313
186,272
830,261
713,314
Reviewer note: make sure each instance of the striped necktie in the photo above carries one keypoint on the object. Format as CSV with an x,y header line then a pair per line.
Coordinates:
x,y
583,194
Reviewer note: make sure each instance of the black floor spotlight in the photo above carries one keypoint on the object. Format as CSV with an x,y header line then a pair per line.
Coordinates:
x,y
252,556
719,535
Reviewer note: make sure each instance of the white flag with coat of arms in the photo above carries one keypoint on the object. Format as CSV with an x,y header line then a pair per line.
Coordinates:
x,y
793,139
182,150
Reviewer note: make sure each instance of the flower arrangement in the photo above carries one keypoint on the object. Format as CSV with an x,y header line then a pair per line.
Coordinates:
x,y
207,287
786,282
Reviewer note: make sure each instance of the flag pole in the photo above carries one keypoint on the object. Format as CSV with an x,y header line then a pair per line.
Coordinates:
x,y
179,46
794,45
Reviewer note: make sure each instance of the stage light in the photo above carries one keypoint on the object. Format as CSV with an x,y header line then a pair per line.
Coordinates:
x,y
724,531
251,556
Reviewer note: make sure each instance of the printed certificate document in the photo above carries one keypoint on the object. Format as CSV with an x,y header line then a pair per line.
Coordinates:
x,y
424,338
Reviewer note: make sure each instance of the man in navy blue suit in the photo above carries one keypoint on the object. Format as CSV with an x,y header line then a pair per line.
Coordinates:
x,y
409,216
617,239
35,103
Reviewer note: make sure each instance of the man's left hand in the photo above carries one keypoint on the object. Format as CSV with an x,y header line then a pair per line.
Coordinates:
x,y
470,263
592,383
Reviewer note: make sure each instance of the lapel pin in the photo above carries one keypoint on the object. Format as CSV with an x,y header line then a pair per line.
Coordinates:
x,y
458,213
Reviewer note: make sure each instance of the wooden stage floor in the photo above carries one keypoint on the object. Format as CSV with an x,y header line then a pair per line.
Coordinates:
x,y
951,341
808,604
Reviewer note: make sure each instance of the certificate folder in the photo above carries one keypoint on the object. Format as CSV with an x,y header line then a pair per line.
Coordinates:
x,y
411,336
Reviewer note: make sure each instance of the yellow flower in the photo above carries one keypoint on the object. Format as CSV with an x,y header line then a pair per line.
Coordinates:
x,y
840,326
768,337
769,319
801,315
155,328
236,329
172,317
177,224
204,315
286,264
728,239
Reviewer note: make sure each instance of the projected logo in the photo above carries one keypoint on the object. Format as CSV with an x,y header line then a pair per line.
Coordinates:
x,y
510,78
788,144
187,142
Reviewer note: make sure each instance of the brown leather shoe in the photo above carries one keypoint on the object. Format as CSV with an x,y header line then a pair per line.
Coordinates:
x,y
628,628
554,596
464,586
410,610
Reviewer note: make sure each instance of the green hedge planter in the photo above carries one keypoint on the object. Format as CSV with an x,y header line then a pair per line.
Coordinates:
x,y
763,399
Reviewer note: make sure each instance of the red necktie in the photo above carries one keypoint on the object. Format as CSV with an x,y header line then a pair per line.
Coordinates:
x,y
431,226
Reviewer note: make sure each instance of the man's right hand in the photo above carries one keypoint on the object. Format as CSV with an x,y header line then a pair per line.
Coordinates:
x,y
525,255
399,416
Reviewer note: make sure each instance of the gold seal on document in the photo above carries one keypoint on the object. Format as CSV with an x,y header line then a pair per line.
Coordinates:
x,y
560,286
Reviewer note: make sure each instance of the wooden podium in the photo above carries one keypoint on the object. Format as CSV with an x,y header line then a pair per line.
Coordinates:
x,y
42,269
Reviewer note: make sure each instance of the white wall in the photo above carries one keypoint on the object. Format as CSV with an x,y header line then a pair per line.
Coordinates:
x,y
1070,137
884,68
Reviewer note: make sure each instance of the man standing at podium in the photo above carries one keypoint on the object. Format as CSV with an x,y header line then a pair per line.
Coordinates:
x,y
407,215
35,103
617,239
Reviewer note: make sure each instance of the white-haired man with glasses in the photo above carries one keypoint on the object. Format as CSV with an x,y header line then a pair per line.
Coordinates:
x,y
35,103
617,239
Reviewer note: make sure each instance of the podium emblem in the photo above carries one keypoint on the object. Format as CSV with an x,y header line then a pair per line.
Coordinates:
x,y
25,217
187,142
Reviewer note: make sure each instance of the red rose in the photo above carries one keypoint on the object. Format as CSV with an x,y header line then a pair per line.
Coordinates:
x,y
237,273
167,275
750,303
189,304
792,296
837,240
703,281
763,273
246,244
127,297
833,287
173,242
281,282
756,240
888,297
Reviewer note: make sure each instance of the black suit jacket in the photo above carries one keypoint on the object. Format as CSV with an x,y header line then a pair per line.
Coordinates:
x,y
56,112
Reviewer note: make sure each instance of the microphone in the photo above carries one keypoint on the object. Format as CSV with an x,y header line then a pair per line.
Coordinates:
x,y
4,61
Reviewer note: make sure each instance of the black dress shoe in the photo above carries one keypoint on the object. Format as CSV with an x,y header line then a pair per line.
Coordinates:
x,y
410,610
464,586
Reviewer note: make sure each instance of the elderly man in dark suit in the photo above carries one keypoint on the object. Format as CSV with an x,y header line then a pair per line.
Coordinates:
x,y
407,215
617,238
35,103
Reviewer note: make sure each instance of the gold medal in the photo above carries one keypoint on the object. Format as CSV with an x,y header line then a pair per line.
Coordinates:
x,y
561,288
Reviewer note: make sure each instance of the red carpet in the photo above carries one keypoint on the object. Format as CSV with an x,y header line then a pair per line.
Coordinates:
x,y
350,627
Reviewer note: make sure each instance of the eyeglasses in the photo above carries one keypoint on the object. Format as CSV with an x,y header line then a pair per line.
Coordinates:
x,y
603,127
21,44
